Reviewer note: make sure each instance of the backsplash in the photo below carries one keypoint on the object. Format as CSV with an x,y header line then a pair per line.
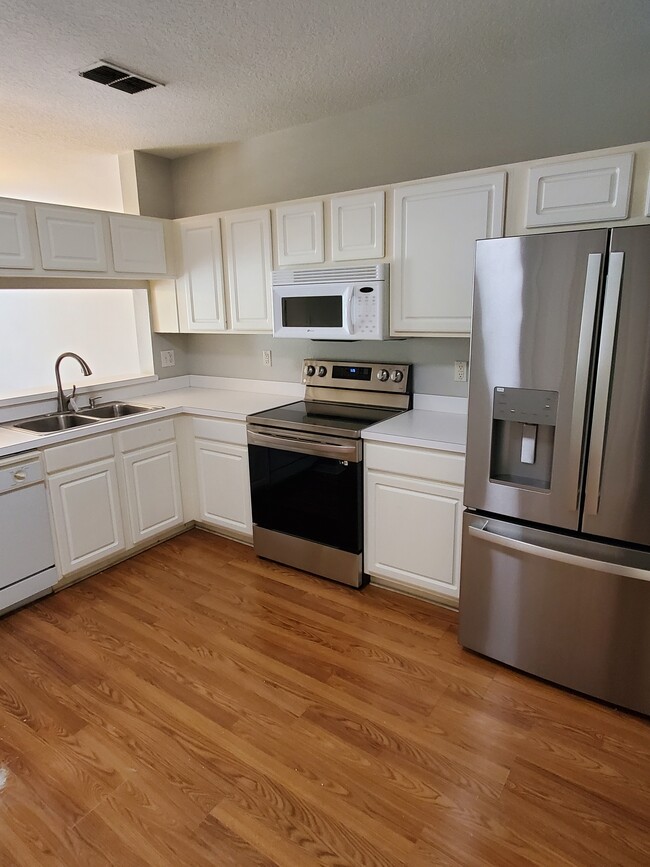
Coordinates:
x,y
240,356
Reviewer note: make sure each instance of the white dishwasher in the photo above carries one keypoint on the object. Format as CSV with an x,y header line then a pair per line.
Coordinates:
x,y
26,553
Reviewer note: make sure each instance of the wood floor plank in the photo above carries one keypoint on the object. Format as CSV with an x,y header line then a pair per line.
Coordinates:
x,y
198,706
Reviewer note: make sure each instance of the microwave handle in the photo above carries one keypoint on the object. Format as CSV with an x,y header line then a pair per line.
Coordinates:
x,y
348,299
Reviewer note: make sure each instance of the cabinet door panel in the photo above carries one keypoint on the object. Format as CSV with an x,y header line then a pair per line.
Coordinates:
x,y
248,248
357,226
436,227
299,234
87,514
201,290
15,244
138,245
413,532
224,486
71,240
153,491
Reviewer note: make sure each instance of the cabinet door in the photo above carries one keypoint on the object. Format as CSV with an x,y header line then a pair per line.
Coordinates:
x,y
413,532
200,286
71,240
153,491
87,515
138,245
436,225
224,486
15,245
357,226
299,234
248,249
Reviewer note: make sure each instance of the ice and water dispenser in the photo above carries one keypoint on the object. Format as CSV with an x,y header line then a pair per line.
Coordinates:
x,y
523,433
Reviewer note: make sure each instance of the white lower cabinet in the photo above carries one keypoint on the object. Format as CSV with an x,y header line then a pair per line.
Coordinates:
x,y
151,479
112,493
222,479
87,514
153,491
414,504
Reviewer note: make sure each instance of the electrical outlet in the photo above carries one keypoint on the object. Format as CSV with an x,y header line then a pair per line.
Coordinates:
x,y
267,361
460,371
167,358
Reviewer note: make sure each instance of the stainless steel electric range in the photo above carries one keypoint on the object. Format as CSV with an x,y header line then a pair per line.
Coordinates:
x,y
306,466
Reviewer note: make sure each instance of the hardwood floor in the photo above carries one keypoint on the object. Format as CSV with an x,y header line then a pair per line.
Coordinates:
x,y
198,706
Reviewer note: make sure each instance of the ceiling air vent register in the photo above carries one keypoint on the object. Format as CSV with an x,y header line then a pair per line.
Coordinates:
x,y
114,76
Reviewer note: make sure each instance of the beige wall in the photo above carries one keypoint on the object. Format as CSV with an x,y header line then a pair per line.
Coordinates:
x,y
241,356
496,122
43,172
146,184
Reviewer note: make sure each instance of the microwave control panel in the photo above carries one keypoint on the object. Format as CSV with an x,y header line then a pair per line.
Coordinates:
x,y
367,315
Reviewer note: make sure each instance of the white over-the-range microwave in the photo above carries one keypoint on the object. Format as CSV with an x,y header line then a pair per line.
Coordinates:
x,y
331,303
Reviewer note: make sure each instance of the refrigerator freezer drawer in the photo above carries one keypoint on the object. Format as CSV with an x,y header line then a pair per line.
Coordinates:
x,y
571,611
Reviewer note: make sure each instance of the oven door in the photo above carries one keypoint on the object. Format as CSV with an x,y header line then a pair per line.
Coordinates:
x,y
313,311
308,487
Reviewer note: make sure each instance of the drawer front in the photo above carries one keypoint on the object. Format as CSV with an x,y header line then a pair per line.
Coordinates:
x,y
78,453
146,435
418,463
221,431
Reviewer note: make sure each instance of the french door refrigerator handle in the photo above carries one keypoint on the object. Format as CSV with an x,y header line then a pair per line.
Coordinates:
x,y
587,320
603,379
485,535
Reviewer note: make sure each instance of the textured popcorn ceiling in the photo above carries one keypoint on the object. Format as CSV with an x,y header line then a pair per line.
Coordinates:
x,y
239,68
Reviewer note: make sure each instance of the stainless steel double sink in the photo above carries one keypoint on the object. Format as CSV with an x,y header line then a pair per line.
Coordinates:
x,y
58,421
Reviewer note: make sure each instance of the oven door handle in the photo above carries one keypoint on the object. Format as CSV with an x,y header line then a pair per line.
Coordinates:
x,y
351,452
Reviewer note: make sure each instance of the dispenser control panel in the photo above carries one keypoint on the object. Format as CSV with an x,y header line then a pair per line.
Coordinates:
x,y
526,405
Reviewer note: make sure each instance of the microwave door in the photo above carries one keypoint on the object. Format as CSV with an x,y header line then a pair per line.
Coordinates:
x,y
312,311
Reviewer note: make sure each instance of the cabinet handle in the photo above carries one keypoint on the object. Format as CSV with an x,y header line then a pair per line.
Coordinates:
x,y
20,476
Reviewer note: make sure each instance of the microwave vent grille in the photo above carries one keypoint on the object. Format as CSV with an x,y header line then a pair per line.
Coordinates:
x,y
363,273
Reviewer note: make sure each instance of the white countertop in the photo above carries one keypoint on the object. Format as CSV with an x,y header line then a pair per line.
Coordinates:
x,y
215,402
432,425
446,431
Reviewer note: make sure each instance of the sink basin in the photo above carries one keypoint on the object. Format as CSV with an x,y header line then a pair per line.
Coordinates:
x,y
117,409
55,422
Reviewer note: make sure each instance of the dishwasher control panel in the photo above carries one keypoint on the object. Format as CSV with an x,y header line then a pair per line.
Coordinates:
x,y
20,471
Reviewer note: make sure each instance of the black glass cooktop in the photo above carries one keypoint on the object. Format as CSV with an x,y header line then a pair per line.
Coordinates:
x,y
320,417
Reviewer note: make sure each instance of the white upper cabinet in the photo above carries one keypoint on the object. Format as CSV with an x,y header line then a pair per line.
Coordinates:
x,y
71,239
580,190
436,225
201,300
248,251
15,244
299,234
357,222
138,244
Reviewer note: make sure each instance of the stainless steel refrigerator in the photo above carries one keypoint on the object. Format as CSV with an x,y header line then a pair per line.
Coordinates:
x,y
555,575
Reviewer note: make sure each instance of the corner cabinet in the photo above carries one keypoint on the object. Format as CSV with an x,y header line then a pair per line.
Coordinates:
x,y
222,478
414,506
247,241
436,225
151,479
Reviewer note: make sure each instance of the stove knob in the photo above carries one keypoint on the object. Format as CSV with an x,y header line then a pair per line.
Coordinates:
x,y
397,376
309,370
322,370
382,375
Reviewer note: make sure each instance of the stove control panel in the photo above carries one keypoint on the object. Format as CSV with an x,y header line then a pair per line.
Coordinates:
x,y
358,375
